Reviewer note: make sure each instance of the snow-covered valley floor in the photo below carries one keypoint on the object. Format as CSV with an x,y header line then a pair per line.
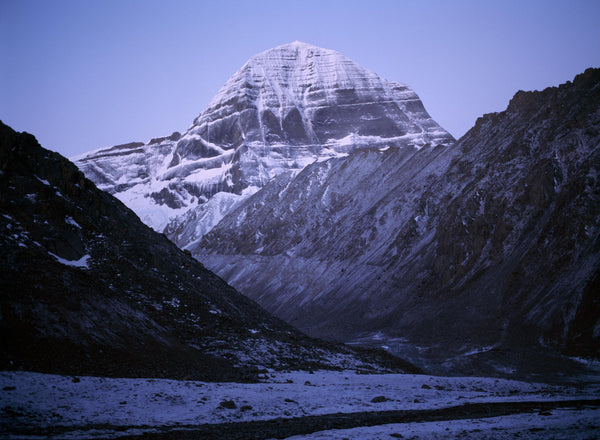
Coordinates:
x,y
34,405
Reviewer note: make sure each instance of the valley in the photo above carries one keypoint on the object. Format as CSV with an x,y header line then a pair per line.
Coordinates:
x,y
298,405
330,196
314,258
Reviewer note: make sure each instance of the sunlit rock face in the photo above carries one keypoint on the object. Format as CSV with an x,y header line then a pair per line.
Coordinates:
x,y
490,242
284,109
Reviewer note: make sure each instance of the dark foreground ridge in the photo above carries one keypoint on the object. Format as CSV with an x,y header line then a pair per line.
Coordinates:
x,y
87,289
286,427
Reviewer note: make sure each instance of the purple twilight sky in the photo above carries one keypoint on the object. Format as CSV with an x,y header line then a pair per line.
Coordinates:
x,y
84,74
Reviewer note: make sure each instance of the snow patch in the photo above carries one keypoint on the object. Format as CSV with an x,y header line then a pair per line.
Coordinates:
x,y
44,181
70,221
82,262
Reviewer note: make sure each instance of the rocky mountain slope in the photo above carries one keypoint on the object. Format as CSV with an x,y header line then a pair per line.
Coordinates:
x,y
283,110
86,288
488,245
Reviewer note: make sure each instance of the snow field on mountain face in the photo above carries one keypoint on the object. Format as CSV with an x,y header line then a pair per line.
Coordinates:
x,y
202,219
35,400
292,69
151,213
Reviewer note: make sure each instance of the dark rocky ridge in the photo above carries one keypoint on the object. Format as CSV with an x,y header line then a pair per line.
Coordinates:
x,y
491,242
88,289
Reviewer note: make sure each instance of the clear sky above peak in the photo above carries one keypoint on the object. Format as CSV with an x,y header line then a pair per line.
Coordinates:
x,y
80,75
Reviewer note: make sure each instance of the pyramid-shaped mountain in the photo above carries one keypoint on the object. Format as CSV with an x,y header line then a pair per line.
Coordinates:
x,y
284,109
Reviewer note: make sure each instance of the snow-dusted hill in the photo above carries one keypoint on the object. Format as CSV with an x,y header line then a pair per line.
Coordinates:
x,y
284,109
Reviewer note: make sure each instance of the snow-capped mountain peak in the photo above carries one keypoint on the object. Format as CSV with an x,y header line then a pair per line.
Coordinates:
x,y
285,95
293,70
286,108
